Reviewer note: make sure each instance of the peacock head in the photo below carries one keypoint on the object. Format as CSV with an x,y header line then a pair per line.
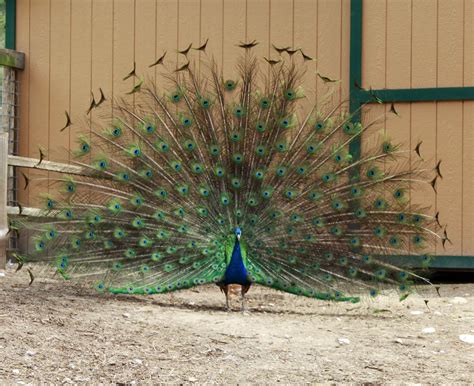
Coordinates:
x,y
238,233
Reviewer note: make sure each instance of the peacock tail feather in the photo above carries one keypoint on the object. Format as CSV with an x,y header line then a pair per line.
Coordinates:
x,y
163,182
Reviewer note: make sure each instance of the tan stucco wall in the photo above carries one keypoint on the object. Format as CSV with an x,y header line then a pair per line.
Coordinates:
x,y
75,46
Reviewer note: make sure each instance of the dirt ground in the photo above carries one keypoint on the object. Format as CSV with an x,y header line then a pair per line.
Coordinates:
x,y
61,332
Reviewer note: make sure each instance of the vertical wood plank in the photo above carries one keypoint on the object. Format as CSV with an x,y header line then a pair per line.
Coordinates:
x,y
39,90
424,46
233,33
345,48
124,49
102,48
329,45
23,45
306,30
398,70
211,27
449,145
449,150
424,74
81,57
166,35
468,43
189,31
424,128
59,81
450,43
468,180
398,74
145,39
282,23
258,27
374,43
468,135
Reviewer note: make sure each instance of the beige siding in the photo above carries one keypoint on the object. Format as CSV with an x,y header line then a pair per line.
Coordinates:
x,y
75,47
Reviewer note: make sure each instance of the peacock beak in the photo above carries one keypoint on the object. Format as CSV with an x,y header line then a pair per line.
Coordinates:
x,y
238,237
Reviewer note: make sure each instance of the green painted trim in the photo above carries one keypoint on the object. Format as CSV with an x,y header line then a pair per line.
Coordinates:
x,y
10,24
441,262
417,94
355,70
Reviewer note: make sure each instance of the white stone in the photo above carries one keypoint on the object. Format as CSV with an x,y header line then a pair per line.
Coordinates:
x,y
126,315
467,338
2,274
343,341
16,371
416,312
428,330
137,361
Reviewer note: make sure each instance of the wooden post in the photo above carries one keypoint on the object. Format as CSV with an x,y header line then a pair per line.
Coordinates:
x,y
10,61
8,114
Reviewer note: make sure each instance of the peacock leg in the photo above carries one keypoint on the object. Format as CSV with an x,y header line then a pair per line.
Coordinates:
x,y
225,288
244,290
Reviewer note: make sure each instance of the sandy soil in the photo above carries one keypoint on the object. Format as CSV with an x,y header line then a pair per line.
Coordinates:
x,y
64,333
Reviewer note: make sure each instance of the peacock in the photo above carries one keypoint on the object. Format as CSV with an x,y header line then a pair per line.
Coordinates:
x,y
203,179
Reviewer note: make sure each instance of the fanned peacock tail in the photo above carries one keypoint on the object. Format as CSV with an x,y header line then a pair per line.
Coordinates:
x,y
163,182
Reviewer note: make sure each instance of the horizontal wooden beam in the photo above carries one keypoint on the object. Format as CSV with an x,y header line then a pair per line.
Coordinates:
x,y
24,162
11,58
27,211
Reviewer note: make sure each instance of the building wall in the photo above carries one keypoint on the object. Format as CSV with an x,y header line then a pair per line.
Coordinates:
x,y
74,47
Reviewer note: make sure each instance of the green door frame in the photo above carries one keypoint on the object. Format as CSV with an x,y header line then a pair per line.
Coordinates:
x,y
10,24
359,97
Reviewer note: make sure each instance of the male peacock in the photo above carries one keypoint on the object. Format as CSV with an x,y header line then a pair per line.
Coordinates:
x,y
226,181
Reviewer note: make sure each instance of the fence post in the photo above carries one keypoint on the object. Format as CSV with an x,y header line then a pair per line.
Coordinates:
x,y
10,61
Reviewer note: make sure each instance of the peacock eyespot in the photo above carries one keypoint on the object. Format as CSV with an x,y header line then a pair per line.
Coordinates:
x,y
176,97
229,85
238,112
290,95
264,103
319,126
205,103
